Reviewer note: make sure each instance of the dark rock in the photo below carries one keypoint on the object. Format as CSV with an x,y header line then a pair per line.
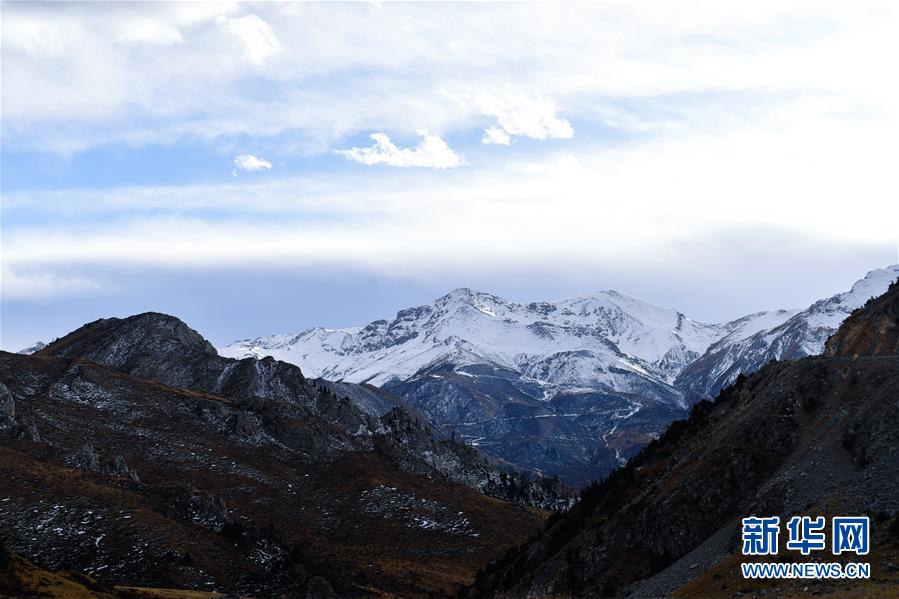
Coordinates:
x,y
28,430
319,588
244,424
118,467
86,459
7,405
5,557
197,506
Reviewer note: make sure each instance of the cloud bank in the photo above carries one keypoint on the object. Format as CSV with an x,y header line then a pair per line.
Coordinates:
x,y
157,73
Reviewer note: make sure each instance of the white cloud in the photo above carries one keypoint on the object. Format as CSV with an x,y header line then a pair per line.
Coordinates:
x,y
248,162
344,69
525,116
255,35
37,37
16,285
496,136
149,31
431,152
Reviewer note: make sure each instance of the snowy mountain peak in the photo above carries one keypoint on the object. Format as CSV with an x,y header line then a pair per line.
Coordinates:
x,y
32,349
463,295
611,326
779,335
874,284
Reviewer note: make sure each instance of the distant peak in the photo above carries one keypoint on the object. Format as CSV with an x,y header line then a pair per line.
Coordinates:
x,y
463,294
888,271
878,277
34,348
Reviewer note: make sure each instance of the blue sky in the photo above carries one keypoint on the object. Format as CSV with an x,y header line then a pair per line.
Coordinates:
x,y
261,167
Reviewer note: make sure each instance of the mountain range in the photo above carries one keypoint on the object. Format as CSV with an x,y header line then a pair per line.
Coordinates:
x,y
571,388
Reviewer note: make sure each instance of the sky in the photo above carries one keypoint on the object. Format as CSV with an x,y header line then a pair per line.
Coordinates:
x,y
259,168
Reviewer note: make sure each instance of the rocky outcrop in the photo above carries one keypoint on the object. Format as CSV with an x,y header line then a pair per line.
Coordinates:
x,y
200,507
319,589
21,427
7,405
870,331
88,459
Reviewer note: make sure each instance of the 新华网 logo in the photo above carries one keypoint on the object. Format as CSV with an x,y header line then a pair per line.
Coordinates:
x,y
849,534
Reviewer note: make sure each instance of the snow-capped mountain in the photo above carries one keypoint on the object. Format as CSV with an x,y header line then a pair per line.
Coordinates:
x,y
609,339
34,348
802,334
571,387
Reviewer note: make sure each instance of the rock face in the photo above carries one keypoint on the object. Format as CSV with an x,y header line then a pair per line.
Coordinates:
x,y
319,589
10,425
164,464
815,436
573,387
7,405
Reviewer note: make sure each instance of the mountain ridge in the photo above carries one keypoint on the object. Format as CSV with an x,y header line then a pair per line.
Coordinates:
x,y
605,372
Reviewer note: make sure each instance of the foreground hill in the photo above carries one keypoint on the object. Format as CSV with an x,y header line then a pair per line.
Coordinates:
x,y
130,451
813,437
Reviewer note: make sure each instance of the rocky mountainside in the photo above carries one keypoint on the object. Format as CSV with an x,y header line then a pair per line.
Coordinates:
x,y
573,387
133,453
813,437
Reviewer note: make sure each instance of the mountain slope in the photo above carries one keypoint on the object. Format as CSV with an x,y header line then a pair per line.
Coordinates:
x,y
815,436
